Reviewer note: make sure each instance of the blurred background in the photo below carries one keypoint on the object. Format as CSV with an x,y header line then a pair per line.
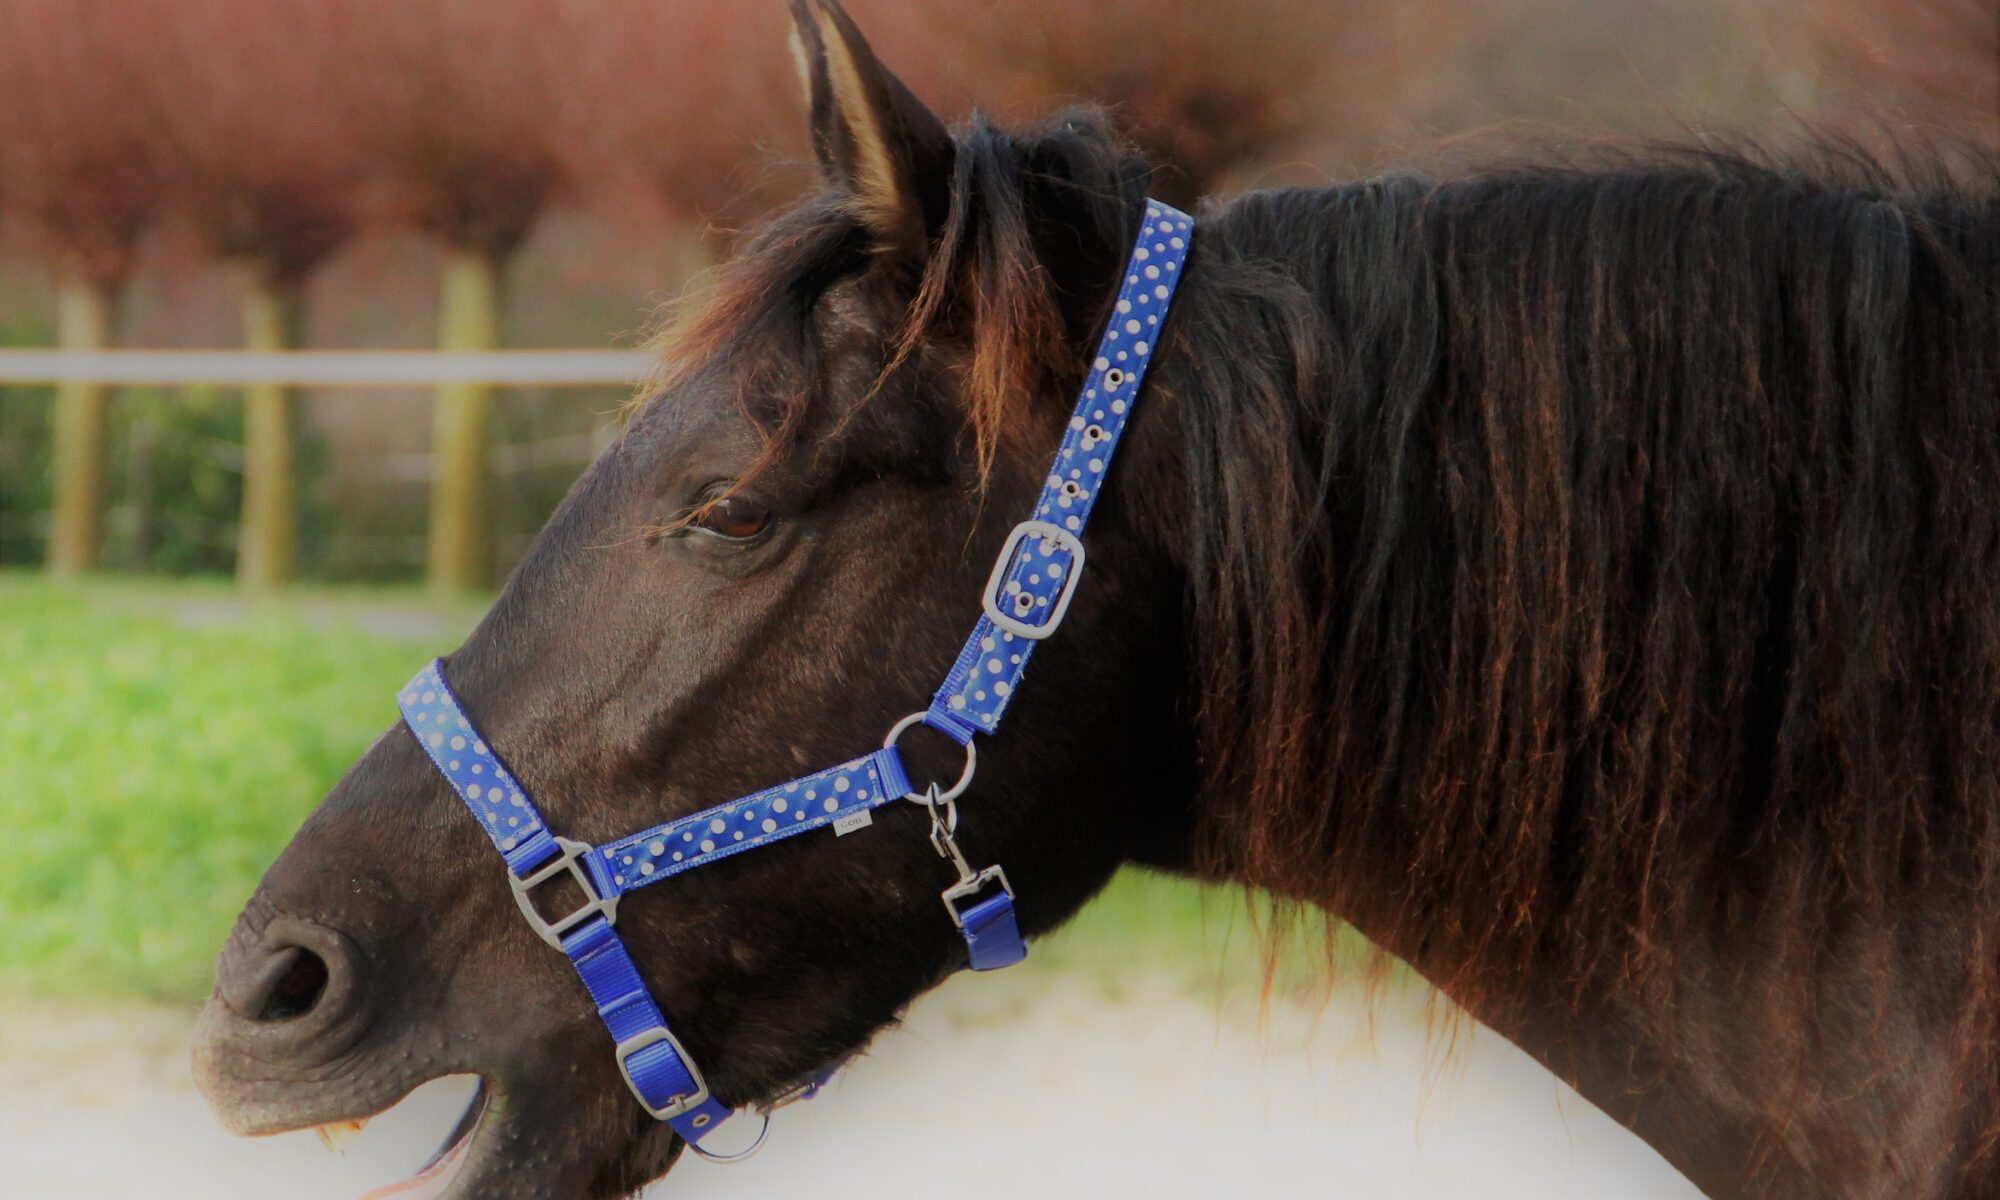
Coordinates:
x,y
471,174
209,581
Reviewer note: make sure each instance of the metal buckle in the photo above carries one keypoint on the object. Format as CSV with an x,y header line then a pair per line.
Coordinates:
x,y
1021,533
972,886
678,1105
552,931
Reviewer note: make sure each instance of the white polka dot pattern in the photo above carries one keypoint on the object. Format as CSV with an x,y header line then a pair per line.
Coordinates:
x,y
989,668
469,765
755,820
511,819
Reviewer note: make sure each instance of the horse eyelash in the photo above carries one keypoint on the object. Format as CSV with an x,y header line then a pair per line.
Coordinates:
x,y
714,494
673,527
685,521
680,522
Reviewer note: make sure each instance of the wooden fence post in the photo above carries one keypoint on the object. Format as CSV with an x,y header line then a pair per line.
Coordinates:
x,y
267,539
468,319
76,527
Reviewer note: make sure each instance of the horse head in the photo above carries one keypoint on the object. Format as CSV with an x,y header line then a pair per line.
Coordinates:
x,y
773,563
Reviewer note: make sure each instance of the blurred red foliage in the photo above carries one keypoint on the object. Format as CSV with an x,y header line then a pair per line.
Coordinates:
x,y
276,127
701,102
1206,90
1935,62
255,153
80,163
696,102
459,108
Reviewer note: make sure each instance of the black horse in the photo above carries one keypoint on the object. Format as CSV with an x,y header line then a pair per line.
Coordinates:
x,y
1584,581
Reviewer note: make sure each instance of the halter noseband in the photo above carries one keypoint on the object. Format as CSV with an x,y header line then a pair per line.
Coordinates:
x,y
1027,595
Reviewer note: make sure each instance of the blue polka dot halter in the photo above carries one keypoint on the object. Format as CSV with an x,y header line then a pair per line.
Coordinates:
x,y
1025,600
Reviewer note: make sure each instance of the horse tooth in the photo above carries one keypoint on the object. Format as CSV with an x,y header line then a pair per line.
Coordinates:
x,y
336,1135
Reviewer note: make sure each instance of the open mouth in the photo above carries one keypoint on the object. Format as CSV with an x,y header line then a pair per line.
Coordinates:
x,y
445,1165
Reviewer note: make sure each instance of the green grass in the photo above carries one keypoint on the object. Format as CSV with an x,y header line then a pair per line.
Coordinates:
x,y
158,745
159,742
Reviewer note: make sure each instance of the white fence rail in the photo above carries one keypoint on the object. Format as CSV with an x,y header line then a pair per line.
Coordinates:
x,y
456,467
323,368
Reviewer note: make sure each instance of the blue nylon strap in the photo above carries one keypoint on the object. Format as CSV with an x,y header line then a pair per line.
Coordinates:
x,y
657,1072
752,821
1031,589
992,939
499,803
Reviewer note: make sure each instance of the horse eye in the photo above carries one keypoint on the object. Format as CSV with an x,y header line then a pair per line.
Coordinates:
x,y
738,518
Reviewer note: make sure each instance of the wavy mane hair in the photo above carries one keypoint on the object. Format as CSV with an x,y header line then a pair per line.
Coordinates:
x,y
1591,559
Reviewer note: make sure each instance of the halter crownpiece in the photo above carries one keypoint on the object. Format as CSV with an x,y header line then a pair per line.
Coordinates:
x,y
1026,598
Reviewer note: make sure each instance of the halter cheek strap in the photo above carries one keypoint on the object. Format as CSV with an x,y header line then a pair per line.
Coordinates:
x,y
1026,597
656,1067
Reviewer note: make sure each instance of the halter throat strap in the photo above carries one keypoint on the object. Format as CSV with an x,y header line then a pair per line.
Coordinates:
x,y
1028,594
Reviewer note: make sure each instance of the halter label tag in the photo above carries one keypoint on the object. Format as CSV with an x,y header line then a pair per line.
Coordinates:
x,y
853,821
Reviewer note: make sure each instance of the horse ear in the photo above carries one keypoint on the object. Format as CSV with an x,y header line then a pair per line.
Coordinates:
x,y
874,139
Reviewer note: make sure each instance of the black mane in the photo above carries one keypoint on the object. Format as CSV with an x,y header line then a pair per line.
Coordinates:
x,y
1593,559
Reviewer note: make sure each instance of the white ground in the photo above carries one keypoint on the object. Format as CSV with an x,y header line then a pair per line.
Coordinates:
x,y
995,1088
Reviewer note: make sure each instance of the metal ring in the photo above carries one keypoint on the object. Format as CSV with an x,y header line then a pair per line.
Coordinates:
x,y
964,776
763,1131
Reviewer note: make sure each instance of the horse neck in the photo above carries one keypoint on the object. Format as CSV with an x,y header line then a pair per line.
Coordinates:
x,y
1292,534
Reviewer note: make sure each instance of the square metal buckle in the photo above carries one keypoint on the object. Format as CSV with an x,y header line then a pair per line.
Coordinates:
x,y
678,1105
569,859
1021,533
972,887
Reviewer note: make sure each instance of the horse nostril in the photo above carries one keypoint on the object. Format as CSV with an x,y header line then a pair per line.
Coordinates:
x,y
298,987
288,969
